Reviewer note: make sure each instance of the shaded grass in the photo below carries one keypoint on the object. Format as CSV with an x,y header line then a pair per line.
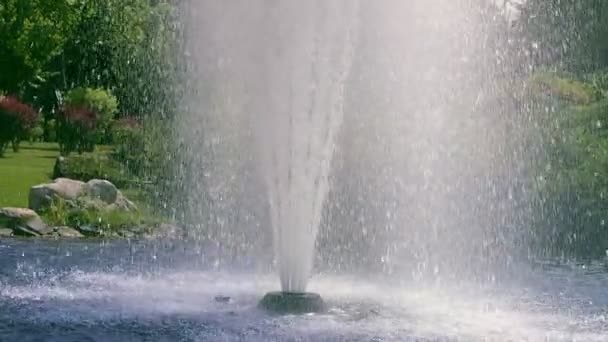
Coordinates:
x,y
32,165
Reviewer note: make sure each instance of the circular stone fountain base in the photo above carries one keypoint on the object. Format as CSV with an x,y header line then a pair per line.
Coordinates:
x,y
292,303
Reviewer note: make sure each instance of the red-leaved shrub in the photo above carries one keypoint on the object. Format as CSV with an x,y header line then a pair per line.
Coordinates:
x,y
16,119
76,129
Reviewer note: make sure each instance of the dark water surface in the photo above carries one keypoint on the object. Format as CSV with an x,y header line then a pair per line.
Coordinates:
x,y
138,291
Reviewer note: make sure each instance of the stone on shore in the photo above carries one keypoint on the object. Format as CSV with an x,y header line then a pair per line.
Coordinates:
x,y
42,196
98,193
23,221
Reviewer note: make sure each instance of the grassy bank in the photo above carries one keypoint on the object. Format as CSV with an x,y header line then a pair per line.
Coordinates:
x,y
32,165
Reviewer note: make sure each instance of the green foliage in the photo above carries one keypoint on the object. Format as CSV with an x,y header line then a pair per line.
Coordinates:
x,y
103,221
598,81
51,131
563,88
129,148
89,166
126,46
36,134
572,180
573,184
32,33
569,33
85,119
98,100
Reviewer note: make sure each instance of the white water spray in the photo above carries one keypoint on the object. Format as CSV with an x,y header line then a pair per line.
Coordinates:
x,y
297,134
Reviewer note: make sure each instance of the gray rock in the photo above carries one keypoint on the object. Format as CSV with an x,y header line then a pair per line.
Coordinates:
x,y
67,232
41,196
6,232
95,194
126,234
10,213
166,231
37,225
123,203
103,190
25,231
23,221
88,230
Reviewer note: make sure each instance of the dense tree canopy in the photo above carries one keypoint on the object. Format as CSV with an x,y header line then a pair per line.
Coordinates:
x,y
32,34
569,33
51,46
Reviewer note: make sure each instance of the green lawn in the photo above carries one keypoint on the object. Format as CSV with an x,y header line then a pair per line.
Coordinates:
x,y
32,165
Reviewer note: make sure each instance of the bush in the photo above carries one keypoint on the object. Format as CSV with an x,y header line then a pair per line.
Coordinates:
x,y
573,182
65,213
36,134
100,101
129,146
16,120
85,119
76,130
92,166
599,82
563,88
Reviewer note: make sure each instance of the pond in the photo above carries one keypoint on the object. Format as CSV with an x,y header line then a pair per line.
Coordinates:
x,y
144,291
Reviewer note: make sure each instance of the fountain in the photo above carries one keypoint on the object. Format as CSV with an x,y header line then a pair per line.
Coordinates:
x,y
296,134
291,119
275,80
366,151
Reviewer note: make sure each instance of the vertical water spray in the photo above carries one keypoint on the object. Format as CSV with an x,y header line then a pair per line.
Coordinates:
x,y
268,91
296,134
426,166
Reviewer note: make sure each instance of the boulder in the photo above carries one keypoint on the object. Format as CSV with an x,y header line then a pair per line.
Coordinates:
x,y
95,194
165,231
67,232
90,230
41,196
123,203
10,213
103,190
23,221
6,232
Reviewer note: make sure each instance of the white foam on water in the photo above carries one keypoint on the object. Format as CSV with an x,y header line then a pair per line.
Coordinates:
x,y
357,306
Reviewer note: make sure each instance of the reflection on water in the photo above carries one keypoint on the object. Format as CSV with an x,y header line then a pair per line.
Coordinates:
x,y
117,292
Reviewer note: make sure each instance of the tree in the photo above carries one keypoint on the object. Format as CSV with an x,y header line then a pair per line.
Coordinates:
x,y
32,33
570,34
125,46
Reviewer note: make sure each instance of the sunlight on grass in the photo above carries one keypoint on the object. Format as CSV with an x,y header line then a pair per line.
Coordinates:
x,y
32,165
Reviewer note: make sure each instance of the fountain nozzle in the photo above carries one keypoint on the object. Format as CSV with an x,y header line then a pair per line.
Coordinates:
x,y
292,303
